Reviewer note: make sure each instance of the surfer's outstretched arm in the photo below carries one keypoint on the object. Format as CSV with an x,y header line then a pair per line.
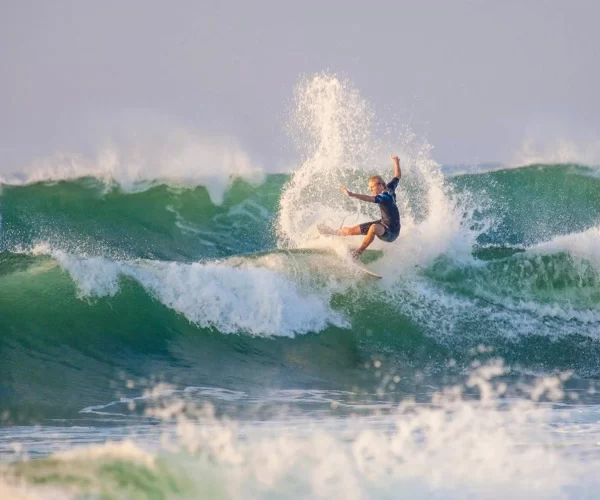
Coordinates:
x,y
362,197
397,172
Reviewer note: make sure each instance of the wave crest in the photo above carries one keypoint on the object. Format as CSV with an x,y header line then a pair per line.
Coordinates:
x,y
176,157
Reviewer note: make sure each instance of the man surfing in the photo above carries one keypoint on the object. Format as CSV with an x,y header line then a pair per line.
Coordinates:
x,y
388,227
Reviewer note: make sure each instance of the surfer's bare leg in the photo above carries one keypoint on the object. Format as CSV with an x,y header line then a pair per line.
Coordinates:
x,y
374,230
349,231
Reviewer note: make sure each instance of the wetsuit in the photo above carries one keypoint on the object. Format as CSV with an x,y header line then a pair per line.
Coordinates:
x,y
390,217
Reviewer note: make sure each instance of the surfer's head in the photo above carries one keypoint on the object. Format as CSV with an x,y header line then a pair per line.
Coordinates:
x,y
376,184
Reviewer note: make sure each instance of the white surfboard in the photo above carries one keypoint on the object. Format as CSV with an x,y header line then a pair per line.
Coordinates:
x,y
371,255
366,271
339,262
327,231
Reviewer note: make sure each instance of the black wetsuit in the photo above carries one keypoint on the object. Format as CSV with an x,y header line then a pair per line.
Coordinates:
x,y
390,217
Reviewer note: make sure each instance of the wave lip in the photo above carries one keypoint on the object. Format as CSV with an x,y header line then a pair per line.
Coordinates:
x,y
584,246
181,159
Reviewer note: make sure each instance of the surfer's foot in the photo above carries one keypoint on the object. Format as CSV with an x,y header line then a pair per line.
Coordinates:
x,y
323,229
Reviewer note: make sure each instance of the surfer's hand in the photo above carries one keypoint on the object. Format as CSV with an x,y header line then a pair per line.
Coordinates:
x,y
345,191
397,172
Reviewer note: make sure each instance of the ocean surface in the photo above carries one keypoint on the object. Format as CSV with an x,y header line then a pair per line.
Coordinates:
x,y
158,338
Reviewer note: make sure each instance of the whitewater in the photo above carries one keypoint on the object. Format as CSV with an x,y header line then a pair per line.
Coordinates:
x,y
161,336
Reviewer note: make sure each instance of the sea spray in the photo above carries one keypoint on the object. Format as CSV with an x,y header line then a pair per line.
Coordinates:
x,y
336,133
476,437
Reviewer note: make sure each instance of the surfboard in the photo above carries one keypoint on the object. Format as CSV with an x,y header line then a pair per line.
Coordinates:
x,y
368,256
327,231
366,271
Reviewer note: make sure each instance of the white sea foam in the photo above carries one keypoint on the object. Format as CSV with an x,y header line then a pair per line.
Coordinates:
x,y
123,450
175,156
19,490
259,299
492,447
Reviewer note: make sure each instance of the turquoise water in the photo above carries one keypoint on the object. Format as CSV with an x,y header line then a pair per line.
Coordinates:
x,y
173,325
219,365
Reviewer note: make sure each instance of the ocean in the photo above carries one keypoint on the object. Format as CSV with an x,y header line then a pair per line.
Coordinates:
x,y
162,337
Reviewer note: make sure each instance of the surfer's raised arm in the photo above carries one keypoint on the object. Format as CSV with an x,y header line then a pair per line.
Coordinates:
x,y
363,197
397,172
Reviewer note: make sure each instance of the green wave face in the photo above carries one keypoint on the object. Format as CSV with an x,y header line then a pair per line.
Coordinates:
x,y
98,285
165,223
533,204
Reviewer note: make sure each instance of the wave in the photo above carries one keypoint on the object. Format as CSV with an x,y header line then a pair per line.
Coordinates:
x,y
533,204
474,217
148,157
97,280
490,447
472,214
536,307
84,218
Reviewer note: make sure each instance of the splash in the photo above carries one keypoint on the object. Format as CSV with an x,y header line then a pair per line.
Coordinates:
x,y
338,137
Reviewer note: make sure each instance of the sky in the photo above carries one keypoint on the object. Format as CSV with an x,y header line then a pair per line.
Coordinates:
x,y
476,78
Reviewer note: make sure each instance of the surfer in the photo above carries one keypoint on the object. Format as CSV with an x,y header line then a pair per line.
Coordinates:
x,y
388,227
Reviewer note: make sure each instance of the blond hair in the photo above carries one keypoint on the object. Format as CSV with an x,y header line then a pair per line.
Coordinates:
x,y
377,178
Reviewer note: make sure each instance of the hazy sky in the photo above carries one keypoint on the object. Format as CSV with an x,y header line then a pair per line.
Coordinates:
x,y
475,77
